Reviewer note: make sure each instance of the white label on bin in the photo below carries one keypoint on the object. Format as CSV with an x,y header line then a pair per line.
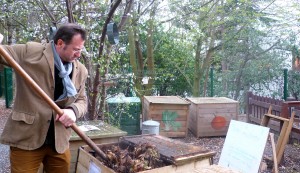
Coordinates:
x,y
94,168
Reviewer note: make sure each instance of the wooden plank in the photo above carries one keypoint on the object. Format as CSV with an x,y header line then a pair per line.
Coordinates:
x,y
265,121
163,125
277,117
209,100
254,119
218,105
281,136
286,137
85,158
167,107
182,112
211,110
209,117
166,100
172,134
81,169
75,145
158,117
274,153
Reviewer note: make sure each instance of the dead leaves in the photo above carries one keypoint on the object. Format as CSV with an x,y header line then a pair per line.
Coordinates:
x,y
142,157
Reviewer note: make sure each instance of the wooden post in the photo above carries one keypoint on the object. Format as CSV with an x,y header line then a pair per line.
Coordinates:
x,y
275,168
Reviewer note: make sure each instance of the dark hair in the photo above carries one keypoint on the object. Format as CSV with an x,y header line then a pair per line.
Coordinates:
x,y
67,31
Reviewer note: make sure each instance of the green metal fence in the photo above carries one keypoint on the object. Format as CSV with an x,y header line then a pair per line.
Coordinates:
x,y
6,85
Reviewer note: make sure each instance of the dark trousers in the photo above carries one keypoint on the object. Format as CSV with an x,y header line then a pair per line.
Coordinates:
x,y
29,161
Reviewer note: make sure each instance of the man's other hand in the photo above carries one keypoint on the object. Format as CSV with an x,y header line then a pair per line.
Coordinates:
x,y
68,118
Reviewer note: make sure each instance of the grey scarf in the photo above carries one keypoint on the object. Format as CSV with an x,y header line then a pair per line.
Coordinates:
x,y
64,72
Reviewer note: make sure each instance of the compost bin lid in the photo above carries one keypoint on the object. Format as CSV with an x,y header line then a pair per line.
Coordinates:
x,y
174,151
123,99
151,123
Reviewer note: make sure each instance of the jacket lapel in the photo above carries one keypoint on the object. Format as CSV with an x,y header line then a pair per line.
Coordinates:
x,y
74,72
49,57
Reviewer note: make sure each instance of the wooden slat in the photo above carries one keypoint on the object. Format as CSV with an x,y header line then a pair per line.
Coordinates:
x,y
277,117
166,100
81,169
274,153
169,107
285,138
284,133
85,158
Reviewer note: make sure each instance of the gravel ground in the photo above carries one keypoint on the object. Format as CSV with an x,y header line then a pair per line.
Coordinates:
x,y
4,149
291,161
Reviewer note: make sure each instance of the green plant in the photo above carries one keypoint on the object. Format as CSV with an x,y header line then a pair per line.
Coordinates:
x,y
169,118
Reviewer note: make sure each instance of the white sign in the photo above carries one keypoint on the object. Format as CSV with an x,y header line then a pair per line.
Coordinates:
x,y
94,168
244,146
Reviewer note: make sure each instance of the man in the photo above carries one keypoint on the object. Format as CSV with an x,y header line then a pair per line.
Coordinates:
x,y
33,130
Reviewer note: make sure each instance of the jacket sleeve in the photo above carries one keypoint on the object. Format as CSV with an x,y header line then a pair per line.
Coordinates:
x,y
16,51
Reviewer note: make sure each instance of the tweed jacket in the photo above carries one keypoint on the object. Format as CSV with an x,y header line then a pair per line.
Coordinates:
x,y
27,126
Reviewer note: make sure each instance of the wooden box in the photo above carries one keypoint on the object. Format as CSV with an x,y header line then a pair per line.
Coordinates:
x,y
210,116
106,134
89,163
170,111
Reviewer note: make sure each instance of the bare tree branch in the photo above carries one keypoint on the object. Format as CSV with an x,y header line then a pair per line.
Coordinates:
x,y
50,15
69,10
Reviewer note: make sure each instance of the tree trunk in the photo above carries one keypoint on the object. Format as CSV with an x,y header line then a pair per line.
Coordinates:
x,y
197,78
150,56
92,107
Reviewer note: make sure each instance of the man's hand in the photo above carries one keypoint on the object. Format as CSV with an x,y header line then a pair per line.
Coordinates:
x,y
68,118
1,38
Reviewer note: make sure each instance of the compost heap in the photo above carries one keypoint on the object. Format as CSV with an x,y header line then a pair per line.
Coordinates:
x,y
133,159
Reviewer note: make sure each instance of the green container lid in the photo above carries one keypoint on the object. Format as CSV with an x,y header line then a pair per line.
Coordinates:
x,y
124,100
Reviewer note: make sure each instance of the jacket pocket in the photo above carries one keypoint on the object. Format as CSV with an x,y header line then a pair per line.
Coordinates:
x,y
20,116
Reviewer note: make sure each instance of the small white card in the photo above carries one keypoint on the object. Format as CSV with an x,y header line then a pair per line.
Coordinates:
x,y
86,128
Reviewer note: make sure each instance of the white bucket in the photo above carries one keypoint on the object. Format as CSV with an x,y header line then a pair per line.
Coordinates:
x,y
150,127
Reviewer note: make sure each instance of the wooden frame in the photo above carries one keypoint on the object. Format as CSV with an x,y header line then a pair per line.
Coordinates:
x,y
284,132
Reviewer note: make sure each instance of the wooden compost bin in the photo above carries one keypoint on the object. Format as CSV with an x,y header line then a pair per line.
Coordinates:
x,y
170,111
210,116
106,134
89,163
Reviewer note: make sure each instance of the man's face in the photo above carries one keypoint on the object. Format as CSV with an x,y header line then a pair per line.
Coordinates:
x,y
72,51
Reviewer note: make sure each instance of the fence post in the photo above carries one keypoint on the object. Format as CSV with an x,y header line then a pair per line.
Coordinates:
x,y
285,73
8,86
248,106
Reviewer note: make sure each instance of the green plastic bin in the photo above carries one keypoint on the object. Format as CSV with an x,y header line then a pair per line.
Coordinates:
x,y
124,112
